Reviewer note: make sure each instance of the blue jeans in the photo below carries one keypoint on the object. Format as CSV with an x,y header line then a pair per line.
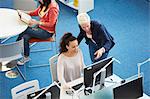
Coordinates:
x,y
92,49
32,33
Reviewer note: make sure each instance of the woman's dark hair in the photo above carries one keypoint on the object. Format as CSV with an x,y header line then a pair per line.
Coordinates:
x,y
67,37
44,3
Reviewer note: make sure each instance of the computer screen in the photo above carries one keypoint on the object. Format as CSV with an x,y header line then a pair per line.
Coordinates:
x,y
54,90
129,90
93,68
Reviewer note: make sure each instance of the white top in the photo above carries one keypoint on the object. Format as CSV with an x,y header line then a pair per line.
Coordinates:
x,y
69,68
10,23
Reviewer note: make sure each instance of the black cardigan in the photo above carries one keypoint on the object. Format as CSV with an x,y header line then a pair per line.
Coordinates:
x,y
99,34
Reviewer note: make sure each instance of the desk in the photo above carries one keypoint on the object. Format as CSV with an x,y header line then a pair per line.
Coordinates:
x,y
107,91
10,25
63,94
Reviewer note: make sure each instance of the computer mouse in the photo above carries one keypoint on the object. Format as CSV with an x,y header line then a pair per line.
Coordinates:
x,y
123,81
87,92
69,92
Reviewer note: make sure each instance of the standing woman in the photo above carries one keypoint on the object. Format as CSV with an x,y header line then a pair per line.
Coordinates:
x,y
97,37
70,61
47,12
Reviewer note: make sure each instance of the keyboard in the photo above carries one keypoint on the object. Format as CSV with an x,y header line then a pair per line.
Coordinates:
x,y
78,86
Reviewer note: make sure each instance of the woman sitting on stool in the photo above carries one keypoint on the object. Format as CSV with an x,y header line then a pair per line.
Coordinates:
x,y
48,11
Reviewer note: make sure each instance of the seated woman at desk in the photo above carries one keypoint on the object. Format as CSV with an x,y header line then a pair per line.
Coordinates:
x,y
47,11
70,61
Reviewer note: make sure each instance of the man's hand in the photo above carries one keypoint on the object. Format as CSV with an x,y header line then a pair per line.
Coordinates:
x,y
99,52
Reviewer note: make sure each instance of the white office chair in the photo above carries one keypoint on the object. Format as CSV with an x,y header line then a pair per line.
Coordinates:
x,y
21,91
53,67
10,52
53,70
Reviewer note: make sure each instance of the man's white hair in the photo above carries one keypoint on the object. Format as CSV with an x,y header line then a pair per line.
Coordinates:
x,y
83,18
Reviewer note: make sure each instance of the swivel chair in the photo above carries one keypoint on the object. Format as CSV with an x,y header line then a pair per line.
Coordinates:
x,y
21,91
53,67
35,41
10,52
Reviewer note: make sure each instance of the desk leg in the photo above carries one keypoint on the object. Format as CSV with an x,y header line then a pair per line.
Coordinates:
x,y
2,41
7,67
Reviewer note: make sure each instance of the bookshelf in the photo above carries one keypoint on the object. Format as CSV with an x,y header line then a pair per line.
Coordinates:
x,y
83,6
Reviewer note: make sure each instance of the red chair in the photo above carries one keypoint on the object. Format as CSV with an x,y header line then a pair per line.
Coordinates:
x,y
34,41
51,39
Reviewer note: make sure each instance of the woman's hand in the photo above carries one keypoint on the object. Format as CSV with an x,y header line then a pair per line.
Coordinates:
x,y
99,52
65,86
33,22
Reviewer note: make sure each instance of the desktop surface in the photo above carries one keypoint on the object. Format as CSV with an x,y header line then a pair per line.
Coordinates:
x,y
130,89
105,93
10,23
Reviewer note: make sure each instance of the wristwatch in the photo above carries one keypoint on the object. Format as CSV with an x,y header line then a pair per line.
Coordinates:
x,y
40,23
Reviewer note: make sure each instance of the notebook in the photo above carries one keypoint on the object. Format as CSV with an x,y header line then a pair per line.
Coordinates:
x,y
24,17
